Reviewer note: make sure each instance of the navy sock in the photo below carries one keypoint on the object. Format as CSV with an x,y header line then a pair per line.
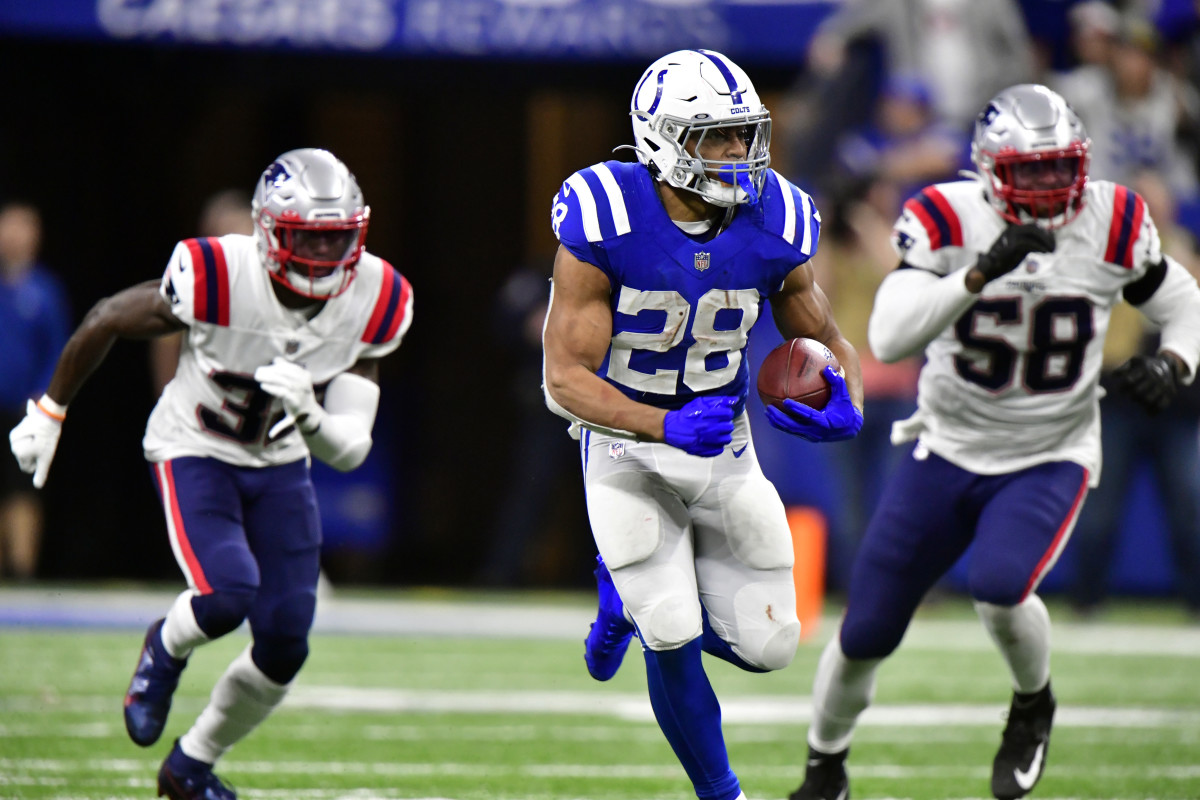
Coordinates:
x,y
690,717
714,645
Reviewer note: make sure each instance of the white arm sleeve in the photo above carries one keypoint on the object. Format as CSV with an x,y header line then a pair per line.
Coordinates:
x,y
912,307
342,436
577,423
1175,307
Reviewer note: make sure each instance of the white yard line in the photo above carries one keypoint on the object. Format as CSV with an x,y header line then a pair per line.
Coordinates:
x,y
47,768
49,607
739,710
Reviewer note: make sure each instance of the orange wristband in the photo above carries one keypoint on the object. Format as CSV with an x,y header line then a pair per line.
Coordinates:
x,y
53,410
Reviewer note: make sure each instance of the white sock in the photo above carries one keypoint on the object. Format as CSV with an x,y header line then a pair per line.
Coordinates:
x,y
1022,632
842,689
242,698
181,633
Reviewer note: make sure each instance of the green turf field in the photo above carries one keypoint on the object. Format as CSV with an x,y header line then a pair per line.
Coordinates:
x,y
474,717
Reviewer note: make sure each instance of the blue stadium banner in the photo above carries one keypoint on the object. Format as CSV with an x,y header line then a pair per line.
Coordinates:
x,y
762,31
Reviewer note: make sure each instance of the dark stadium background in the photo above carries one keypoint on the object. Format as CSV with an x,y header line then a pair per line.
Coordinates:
x,y
119,144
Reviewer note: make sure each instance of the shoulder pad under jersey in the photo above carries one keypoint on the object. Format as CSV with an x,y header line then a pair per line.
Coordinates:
x,y
391,310
196,282
590,208
790,213
930,230
1126,234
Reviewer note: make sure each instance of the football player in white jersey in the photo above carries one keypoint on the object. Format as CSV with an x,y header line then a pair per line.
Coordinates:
x,y
1006,284
283,332
664,267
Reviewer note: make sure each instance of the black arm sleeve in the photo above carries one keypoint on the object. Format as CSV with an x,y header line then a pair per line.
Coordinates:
x,y
1144,288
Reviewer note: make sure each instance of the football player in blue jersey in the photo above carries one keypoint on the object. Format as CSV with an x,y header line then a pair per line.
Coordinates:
x,y
662,271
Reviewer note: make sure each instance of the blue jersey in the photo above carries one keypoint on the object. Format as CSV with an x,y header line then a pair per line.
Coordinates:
x,y
682,309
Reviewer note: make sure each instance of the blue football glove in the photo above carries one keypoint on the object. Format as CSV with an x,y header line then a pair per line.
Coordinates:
x,y
837,421
702,427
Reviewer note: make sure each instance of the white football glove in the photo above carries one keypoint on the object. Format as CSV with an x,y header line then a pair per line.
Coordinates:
x,y
292,384
34,441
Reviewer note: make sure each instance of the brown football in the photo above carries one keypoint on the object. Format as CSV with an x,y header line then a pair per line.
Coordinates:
x,y
793,370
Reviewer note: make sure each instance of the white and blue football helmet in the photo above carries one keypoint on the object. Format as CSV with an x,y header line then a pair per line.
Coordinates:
x,y
685,96
308,201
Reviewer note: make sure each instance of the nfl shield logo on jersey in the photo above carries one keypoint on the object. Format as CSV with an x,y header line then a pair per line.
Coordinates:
x,y
292,347
702,261
616,450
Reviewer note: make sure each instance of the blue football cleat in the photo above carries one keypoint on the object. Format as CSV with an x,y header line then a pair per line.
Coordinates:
x,y
148,699
609,636
185,778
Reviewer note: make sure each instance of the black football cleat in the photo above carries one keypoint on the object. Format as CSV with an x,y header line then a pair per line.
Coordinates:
x,y
184,778
1022,756
609,636
824,777
148,699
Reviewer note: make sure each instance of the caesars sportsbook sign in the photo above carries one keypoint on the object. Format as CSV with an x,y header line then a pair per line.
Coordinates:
x,y
758,30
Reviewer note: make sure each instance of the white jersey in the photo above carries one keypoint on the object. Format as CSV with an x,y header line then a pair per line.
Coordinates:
x,y
220,289
1011,377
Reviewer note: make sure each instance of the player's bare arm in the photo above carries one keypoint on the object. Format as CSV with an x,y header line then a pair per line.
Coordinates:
x,y
801,309
577,336
138,312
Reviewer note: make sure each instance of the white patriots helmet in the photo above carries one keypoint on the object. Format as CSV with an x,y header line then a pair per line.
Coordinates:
x,y
310,222
689,94
1033,153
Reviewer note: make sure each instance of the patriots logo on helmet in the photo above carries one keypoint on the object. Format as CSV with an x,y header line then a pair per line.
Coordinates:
x,y
276,174
702,261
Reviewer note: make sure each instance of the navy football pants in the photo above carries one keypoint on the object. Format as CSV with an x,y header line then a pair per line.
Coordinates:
x,y
929,513
248,540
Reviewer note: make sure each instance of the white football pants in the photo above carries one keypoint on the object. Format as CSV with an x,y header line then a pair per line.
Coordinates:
x,y
676,530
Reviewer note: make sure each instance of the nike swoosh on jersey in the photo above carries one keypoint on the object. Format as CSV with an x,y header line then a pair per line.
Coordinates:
x,y
1027,778
738,453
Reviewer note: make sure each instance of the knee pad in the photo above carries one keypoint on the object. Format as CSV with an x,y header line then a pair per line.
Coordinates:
x,y
279,657
768,631
222,611
664,606
779,649
671,623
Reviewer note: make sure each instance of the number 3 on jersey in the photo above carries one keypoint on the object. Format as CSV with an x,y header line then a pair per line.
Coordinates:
x,y
722,323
